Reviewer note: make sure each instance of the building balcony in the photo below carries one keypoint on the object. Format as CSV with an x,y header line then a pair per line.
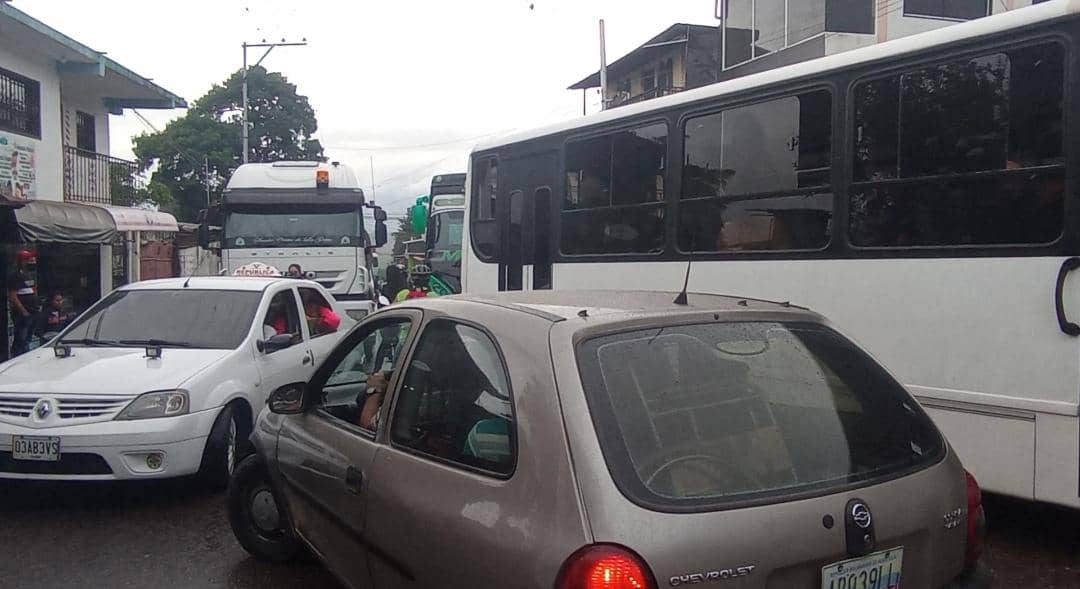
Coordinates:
x,y
623,99
97,178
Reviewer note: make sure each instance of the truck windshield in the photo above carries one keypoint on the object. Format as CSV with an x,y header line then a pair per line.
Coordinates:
x,y
244,229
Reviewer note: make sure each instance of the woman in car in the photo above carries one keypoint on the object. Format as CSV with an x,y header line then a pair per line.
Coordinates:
x,y
320,317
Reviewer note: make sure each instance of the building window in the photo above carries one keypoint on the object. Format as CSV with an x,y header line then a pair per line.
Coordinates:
x,y
615,193
757,177
950,9
20,104
85,131
967,153
667,75
648,80
756,28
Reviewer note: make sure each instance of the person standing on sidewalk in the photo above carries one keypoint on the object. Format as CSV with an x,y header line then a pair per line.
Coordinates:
x,y
23,299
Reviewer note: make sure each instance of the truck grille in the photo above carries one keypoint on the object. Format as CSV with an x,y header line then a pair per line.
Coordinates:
x,y
67,406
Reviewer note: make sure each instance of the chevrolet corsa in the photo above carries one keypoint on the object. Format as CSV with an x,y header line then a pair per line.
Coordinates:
x,y
607,440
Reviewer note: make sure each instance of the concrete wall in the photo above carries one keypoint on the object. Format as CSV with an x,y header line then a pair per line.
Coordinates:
x,y
48,152
74,98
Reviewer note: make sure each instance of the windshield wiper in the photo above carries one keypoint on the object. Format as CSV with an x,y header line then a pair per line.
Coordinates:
x,y
88,342
155,342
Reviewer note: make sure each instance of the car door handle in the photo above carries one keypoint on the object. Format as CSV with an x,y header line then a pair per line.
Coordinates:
x,y
307,358
354,480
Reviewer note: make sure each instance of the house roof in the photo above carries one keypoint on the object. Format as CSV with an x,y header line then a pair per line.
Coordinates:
x,y
98,73
676,34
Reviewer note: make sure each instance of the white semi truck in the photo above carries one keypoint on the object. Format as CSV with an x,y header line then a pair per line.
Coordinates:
x,y
310,214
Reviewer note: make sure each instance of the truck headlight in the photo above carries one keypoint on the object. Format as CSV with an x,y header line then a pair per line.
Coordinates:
x,y
156,404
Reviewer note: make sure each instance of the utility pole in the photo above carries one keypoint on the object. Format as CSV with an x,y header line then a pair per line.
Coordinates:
x,y
206,178
603,68
244,87
371,160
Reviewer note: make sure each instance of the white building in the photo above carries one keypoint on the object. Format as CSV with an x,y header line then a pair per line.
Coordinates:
x,y
61,194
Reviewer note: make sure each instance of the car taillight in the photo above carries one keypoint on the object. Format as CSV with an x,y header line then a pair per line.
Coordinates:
x,y
605,566
976,522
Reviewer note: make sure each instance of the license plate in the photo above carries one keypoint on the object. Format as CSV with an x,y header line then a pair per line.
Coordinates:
x,y
880,570
45,448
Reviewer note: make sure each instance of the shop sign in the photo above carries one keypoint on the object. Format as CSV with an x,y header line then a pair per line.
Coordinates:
x,y
18,168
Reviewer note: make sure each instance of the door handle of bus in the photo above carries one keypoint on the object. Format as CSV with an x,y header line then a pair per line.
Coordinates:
x,y
1067,327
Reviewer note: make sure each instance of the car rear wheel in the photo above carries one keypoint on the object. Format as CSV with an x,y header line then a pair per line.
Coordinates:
x,y
222,451
257,516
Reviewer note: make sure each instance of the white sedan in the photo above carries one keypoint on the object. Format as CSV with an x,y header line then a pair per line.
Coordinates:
x,y
161,378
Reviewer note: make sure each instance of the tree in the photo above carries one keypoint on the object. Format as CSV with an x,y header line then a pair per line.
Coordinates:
x,y
402,234
205,145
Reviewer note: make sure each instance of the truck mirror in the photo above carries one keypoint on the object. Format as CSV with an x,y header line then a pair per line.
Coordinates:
x,y
380,214
380,232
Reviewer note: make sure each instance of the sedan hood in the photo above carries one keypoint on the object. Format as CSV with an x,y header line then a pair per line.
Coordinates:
x,y
104,370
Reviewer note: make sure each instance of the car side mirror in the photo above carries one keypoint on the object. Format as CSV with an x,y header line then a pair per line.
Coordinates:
x,y
288,399
275,343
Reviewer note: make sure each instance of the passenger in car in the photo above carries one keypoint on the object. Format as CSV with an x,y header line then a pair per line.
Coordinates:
x,y
377,384
321,318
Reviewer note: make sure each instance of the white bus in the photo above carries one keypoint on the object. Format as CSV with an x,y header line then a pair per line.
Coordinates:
x,y
922,193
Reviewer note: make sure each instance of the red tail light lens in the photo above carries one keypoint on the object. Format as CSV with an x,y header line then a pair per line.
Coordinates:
x,y
605,566
976,522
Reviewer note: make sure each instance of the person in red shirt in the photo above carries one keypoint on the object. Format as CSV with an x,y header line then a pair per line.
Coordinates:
x,y
321,318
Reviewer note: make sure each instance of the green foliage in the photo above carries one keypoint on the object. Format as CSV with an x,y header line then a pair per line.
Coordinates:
x,y
282,123
403,233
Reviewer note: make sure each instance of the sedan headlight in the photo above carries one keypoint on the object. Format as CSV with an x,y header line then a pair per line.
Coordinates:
x,y
157,404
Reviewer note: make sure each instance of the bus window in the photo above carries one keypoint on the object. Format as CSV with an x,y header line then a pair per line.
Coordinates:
x,y
615,193
965,153
757,177
484,230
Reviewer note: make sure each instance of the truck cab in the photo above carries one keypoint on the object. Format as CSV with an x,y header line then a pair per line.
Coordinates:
x,y
276,216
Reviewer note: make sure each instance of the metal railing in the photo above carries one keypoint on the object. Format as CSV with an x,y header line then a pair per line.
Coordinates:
x,y
654,93
100,179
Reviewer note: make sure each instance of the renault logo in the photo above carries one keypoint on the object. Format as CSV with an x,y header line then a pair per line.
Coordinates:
x,y
860,514
43,409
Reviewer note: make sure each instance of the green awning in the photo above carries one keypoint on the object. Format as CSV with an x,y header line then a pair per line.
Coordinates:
x,y
61,222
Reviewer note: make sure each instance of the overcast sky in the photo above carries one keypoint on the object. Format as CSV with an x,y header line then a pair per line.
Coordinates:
x,y
413,83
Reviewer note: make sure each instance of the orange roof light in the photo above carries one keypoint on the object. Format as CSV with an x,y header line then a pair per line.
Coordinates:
x,y
322,178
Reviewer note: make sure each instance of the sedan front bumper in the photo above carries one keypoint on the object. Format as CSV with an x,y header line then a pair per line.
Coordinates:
x,y
114,450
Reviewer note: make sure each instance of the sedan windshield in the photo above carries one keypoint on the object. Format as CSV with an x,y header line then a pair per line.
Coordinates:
x,y
707,415
285,229
188,318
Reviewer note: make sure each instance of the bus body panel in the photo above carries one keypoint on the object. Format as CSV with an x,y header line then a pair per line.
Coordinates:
x,y
970,329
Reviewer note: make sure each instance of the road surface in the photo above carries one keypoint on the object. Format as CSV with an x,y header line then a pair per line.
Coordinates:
x,y
174,534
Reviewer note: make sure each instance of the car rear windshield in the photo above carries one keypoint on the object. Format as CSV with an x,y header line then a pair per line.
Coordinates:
x,y
717,415
208,319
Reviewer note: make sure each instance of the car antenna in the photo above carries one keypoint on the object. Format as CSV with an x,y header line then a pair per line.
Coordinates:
x,y
681,299
187,281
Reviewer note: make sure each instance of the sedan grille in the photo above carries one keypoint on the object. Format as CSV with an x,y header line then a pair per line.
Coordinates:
x,y
68,406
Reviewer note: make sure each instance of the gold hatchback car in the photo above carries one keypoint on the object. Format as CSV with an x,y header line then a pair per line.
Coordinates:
x,y
607,440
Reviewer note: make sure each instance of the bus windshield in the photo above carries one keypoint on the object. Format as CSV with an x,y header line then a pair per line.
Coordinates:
x,y
446,228
286,229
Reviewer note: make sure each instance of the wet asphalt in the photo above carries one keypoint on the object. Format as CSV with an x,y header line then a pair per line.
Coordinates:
x,y
175,534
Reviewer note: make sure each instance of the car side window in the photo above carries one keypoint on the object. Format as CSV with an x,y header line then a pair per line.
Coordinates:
x,y
454,402
319,314
282,317
356,387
